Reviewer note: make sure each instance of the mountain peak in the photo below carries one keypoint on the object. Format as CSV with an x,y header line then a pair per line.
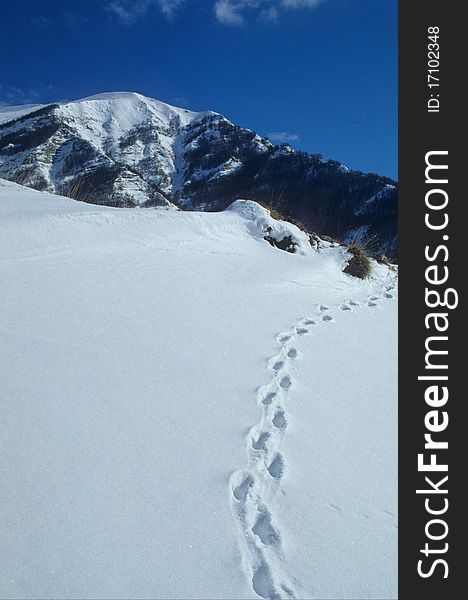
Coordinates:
x,y
131,108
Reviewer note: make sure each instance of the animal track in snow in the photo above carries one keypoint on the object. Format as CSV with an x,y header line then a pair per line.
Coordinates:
x,y
278,365
262,582
279,420
260,444
276,468
265,530
240,492
268,399
253,488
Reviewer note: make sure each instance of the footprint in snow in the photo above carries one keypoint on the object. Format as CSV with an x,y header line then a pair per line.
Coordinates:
x,y
265,530
371,303
292,354
283,338
260,444
301,330
279,420
345,307
268,399
262,582
278,365
323,307
276,468
353,303
309,322
240,491
326,318
288,591
286,382
388,295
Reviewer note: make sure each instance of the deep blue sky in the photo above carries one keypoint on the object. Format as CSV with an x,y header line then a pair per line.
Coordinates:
x,y
320,74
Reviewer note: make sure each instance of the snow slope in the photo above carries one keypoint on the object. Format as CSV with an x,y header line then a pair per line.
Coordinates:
x,y
10,113
189,412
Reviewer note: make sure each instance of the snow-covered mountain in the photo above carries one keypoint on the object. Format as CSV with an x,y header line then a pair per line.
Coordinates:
x,y
188,411
123,149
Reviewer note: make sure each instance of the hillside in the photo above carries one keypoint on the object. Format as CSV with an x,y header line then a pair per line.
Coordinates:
x,y
190,412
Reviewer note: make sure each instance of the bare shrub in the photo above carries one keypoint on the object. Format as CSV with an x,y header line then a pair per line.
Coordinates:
x,y
359,264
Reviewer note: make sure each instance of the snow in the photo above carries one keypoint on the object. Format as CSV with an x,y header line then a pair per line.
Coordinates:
x,y
258,222
230,166
105,121
10,113
189,412
128,106
283,150
378,197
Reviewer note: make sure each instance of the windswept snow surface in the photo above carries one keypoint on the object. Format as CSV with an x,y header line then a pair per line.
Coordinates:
x,y
10,113
189,412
